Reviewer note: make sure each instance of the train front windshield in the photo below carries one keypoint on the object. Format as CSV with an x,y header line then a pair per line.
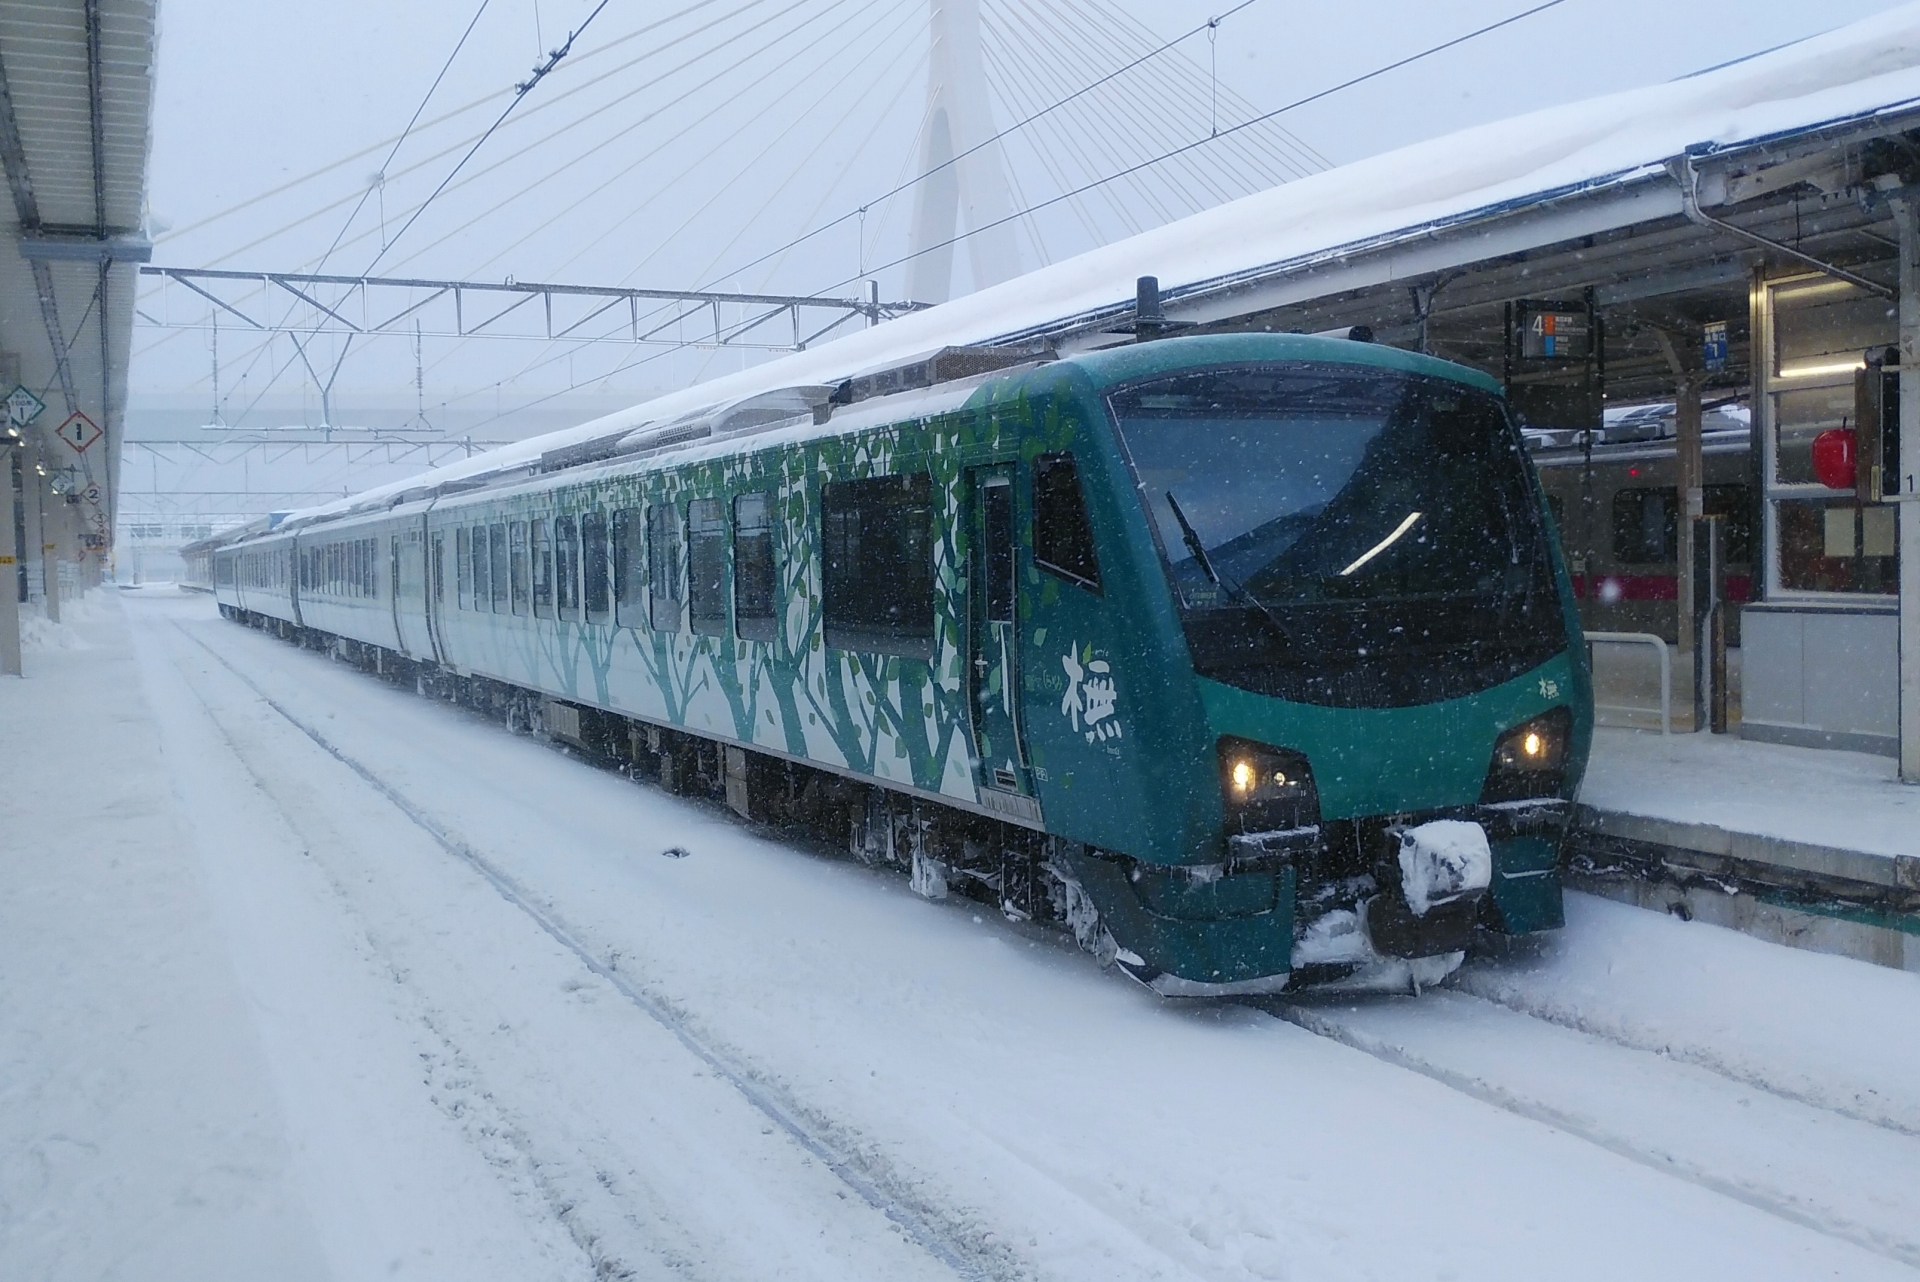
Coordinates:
x,y
1325,523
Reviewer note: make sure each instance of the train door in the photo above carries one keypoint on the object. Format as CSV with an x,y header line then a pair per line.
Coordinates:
x,y
992,645
410,594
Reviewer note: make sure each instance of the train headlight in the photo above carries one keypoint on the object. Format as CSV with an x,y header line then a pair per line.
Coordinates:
x,y
1530,760
1266,788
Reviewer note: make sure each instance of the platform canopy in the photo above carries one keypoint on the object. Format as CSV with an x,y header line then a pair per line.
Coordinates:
x,y
76,99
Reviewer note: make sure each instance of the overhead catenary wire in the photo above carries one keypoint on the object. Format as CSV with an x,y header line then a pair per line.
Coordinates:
x,y
412,120
1317,96
443,118
521,90
992,139
1202,142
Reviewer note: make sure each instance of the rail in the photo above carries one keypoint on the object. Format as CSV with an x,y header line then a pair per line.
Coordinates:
x,y
1666,667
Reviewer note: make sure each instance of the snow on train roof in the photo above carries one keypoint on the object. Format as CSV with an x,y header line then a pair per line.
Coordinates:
x,y
1865,68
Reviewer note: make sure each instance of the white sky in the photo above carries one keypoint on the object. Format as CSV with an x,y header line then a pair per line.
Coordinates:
x,y
702,150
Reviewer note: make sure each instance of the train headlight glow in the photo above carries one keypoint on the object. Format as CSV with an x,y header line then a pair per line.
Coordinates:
x,y
1530,759
1266,788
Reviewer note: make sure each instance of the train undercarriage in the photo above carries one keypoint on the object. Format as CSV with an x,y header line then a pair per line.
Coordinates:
x,y
1345,885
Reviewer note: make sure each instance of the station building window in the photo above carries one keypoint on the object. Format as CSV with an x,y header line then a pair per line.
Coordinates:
x,y
753,576
1822,541
877,542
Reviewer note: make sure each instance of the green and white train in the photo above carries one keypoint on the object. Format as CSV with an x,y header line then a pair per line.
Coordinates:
x,y
1250,657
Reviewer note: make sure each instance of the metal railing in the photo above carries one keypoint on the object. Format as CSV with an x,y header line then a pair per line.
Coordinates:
x,y
1666,668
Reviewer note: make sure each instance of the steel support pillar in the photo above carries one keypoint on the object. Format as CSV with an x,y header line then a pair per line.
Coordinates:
x,y
1907,213
9,570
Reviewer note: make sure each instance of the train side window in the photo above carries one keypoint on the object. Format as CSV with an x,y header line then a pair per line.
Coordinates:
x,y
439,568
566,568
877,536
497,539
517,565
462,569
753,610
593,564
1062,534
367,575
629,570
1644,527
1735,502
663,566
540,534
482,591
707,566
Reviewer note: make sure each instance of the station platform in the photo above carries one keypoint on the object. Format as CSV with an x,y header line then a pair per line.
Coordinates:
x,y
1812,848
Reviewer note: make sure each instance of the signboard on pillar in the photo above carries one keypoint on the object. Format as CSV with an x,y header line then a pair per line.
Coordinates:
x,y
79,432
1713,346
1553,333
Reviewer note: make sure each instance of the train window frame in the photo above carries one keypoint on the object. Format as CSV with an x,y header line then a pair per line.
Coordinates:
x,y
629,568
540,547
859,518
566,569
462,568
1627,523
756,581
518,592
596,589
665,584
707,566
501,566
1063,542
482,567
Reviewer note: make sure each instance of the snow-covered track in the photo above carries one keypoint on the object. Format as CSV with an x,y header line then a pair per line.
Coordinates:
x,y
1838,1175
830,1142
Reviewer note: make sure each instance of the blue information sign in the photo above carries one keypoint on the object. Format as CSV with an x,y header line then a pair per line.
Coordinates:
x,y
1713,345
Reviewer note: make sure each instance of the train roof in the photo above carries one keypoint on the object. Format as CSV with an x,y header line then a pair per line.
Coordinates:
x,y
1623,142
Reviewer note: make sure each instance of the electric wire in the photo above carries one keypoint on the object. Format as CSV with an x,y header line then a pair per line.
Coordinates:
x,y
443,118
1018,125
536,110
411,121
1202,142
1319,95
720,105
520,92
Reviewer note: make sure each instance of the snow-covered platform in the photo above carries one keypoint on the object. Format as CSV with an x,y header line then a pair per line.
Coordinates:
x,y
306,976
1810,847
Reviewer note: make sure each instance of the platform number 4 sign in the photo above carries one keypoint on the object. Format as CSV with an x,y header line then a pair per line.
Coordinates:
x,y
79,431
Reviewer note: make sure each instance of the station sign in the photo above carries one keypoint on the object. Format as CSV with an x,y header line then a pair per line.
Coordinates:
x,y
1713,345
23,406
1554,334
79,432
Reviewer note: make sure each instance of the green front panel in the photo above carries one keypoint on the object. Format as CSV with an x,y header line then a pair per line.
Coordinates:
x,y
1377,761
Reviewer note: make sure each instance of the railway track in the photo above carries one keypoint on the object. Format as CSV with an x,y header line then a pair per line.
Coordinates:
x,y
1810,1165
835,1145
1839,1176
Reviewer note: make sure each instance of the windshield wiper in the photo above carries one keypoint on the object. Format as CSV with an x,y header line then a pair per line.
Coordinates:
x,y
1192,539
